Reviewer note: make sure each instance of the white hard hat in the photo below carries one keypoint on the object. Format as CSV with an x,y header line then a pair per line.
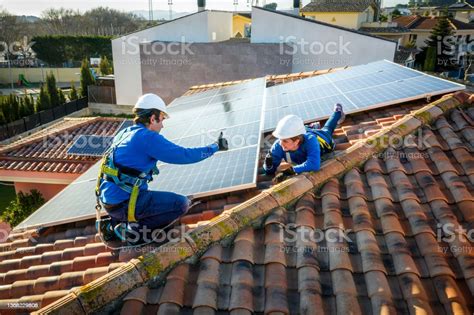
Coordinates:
x,y
151,101
289,126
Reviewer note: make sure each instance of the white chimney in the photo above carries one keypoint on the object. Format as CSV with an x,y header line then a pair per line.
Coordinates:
x,y
201,5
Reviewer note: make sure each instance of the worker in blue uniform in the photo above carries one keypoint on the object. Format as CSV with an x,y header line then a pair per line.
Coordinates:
x,y
131,163
300,146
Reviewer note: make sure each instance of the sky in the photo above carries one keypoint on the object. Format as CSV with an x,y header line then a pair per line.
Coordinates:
x,y
35,7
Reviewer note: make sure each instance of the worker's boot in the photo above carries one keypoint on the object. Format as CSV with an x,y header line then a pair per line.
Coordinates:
x,y
338,108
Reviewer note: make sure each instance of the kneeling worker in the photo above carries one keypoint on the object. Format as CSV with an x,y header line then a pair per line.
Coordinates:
x,y
130,163
300,146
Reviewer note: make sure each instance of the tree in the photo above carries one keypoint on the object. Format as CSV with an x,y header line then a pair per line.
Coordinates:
x,y
29,104
430,60
271,6
62,97
73,93
24,205
86,77
442,41
104,66
396,13
52,90
43,102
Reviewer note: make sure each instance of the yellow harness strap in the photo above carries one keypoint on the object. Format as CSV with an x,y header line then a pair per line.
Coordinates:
x,y
132,203
324,143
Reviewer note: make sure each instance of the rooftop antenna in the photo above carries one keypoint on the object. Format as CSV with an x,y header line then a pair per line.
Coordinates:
x,y
150,10
170,3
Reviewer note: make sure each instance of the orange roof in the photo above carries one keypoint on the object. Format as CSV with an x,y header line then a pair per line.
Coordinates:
x,y
45,151
391,203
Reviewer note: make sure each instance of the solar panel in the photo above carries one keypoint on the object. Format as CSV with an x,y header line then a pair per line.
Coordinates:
x,y
125,124
358,88
190,125
90,145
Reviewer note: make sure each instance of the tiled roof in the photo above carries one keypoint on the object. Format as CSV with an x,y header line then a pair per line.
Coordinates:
x,y
273,79
402,54
45,151
383,30
73,251
427,23
391,263
337,6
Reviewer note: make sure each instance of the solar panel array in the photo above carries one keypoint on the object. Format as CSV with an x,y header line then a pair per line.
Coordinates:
x,y
195,120
358,88
90,145
242,112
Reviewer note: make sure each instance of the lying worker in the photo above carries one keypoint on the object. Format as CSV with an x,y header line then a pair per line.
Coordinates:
x,y
134,154
300,146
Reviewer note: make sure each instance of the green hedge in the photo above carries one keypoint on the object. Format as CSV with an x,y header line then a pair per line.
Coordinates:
x,y
58,49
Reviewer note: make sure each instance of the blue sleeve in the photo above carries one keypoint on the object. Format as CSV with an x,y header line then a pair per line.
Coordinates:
x,y
160,148
313,159
277,155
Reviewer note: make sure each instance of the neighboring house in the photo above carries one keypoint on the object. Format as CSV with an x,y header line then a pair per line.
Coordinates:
x,y
350,14
389,30
241,24
389,204
406,56
421,27
462,11
40,161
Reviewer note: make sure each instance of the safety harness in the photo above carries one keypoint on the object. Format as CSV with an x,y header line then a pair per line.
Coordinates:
x,y
127,179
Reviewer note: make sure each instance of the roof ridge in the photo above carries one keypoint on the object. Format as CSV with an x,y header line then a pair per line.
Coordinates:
x,y
154,265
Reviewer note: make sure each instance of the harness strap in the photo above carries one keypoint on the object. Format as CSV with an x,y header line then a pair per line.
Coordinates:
x,y
130,184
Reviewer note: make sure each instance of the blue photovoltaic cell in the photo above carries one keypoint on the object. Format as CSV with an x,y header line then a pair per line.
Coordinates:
x,y
90,145
358,88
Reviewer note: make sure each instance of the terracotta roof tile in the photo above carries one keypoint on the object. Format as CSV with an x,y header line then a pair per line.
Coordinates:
x,y
49,146
391,204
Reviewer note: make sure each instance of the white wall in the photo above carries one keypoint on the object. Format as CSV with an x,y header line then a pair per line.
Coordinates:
x,y
194,28
270,27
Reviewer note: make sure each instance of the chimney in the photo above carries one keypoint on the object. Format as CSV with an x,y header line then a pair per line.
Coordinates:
x,y
201,5
296,7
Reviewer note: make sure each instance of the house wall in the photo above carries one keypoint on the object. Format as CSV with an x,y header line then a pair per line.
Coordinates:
x,y
47,190
324,46
195,28
239,25
171,75
344,19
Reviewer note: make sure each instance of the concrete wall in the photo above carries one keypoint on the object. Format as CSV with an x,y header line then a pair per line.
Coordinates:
x,y
325,47
35,74
193,28
171,75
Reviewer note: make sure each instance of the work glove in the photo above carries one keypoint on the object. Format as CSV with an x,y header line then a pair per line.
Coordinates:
x,y
284,175
268,161
222,142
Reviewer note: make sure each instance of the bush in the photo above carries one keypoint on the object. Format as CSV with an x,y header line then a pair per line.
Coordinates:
x,y
104,66
43,101
58,49
52,90
73,94
24,205
86,77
